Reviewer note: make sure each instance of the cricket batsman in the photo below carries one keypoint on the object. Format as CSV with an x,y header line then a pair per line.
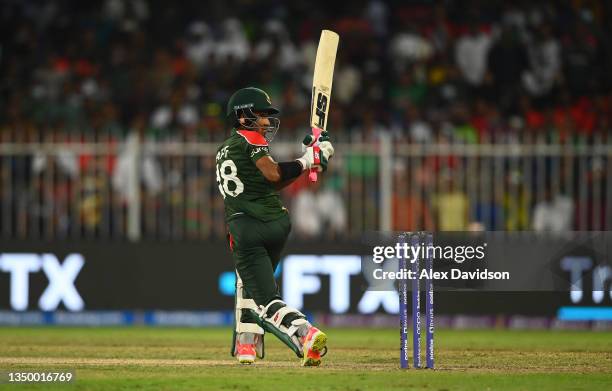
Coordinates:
x,y
258,226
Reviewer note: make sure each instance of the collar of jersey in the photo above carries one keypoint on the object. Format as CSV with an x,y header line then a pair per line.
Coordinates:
x,y
252,137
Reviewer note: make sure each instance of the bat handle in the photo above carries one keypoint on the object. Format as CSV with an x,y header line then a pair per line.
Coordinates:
x,y
313,175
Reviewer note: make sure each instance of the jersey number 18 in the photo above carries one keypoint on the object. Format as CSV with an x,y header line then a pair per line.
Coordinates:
x,y
226,174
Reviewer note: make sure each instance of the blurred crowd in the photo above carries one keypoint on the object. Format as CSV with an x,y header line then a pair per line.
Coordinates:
x,y
477,70
421,71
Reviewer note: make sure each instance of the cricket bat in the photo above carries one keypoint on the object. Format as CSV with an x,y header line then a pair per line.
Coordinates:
x,y
321,87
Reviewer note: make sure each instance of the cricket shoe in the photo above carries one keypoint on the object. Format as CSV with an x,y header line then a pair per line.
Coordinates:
x,y
246,353
314,346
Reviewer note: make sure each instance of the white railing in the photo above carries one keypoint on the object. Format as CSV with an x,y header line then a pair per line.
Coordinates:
x,y
166,190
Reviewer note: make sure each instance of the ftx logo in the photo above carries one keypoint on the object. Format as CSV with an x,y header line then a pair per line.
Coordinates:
x,y
302,276
61,279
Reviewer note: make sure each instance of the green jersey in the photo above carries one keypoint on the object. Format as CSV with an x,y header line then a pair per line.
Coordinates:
x,y
244,188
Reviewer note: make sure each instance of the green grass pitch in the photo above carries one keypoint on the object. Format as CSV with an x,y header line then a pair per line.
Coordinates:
x,y
140,358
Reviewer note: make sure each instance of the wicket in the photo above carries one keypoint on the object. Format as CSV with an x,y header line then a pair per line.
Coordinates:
x,y
417,240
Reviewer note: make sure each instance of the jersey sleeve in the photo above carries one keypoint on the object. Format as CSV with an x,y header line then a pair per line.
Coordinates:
x,y
257,152
256,144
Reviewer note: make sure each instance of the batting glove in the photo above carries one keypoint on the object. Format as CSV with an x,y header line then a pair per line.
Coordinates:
x,y
309,140
316,156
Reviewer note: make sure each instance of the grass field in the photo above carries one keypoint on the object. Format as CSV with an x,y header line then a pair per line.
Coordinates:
x,y
160,358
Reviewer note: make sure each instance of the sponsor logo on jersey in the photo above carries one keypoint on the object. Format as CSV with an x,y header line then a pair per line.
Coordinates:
x,y
257,150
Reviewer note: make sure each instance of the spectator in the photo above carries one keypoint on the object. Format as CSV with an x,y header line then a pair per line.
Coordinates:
x,y
348,79
554,213
411,211
233,44
319,210
544,53
409,46
471,53
132,163
507,61
277,40
451,206
200,44
176,114
580,51
515,203
93,202
419,129
451,89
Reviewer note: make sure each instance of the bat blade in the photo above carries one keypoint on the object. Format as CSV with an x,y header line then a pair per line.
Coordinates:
x,y
322,85
322,79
